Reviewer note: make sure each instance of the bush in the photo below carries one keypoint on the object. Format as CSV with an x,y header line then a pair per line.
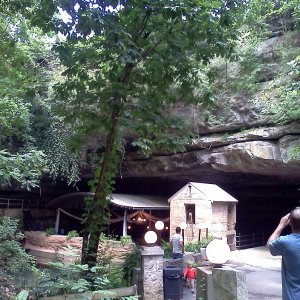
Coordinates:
x,y
50,231
16,266
71,234
205,241
167,249
195,247
126,239
132,260
13,257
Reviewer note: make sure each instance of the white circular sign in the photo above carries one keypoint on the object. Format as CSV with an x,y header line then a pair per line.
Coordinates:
x,y
150,237
218,252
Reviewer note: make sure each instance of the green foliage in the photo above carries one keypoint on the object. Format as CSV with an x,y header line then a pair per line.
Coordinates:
x,y
50,231
125,239
62,161
281,97
195,247
106,238
67,278
71,234
167,248
116,276
23,295
13,258
294,153
14,117
124,77
132,260
123,74
205,241
192,247
30,131
20,160
27,168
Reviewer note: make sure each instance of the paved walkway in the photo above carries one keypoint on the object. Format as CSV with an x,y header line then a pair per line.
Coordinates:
x,y
257,257
262,273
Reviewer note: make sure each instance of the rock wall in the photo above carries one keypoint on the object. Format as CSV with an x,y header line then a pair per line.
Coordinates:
x,y
236,136
47,248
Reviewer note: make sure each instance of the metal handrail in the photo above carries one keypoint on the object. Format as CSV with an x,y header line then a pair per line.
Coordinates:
x,y
254,239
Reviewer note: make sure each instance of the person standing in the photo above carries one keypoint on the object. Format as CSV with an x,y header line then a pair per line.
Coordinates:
x,y
177,244
288,246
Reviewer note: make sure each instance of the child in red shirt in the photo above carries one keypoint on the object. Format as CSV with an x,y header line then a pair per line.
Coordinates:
x,y
190,275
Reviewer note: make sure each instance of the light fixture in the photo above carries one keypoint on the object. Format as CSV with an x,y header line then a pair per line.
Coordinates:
x,y
218,252
159,225
150,237
139,218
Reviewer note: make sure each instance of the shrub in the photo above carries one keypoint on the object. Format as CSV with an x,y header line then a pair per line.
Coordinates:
x,y
195,247
126,239
71,234
50,231
205,241
132,260
13,257
167,249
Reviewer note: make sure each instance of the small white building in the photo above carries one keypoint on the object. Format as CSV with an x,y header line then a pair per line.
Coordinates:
x,y
203,209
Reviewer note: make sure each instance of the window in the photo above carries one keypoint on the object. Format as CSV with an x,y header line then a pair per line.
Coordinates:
x,y
190,213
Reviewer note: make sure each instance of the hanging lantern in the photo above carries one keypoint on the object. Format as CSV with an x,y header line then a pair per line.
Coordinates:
x,y
139,218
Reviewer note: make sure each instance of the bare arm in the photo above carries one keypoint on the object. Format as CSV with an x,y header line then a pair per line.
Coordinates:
x,y
284,221
181,245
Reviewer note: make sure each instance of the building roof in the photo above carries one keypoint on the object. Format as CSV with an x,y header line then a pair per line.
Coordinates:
x,y
212,192
140,201
75,200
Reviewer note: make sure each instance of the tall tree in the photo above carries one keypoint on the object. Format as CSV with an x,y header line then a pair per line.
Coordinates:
x,y
125,63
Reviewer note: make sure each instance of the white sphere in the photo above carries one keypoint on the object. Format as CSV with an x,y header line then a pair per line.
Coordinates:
x,y
218,252
150,237
159,225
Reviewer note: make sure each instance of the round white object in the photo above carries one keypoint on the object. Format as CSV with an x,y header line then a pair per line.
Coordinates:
x,y
159,225
218,252
150,237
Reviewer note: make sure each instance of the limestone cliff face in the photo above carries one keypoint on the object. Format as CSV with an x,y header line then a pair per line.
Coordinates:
x,y
235,138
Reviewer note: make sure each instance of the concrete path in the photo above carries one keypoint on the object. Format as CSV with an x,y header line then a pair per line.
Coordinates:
x,y
262,270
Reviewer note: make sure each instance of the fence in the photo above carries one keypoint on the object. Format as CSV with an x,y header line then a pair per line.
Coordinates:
x,y
21,203
251,240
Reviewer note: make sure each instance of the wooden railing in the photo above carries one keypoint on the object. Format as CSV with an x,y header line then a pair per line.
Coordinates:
x,y
251,240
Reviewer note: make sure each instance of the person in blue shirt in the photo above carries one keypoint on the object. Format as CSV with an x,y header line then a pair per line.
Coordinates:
x,y
288,246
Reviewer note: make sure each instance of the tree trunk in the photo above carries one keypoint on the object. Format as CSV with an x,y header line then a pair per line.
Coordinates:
x,y
97,211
